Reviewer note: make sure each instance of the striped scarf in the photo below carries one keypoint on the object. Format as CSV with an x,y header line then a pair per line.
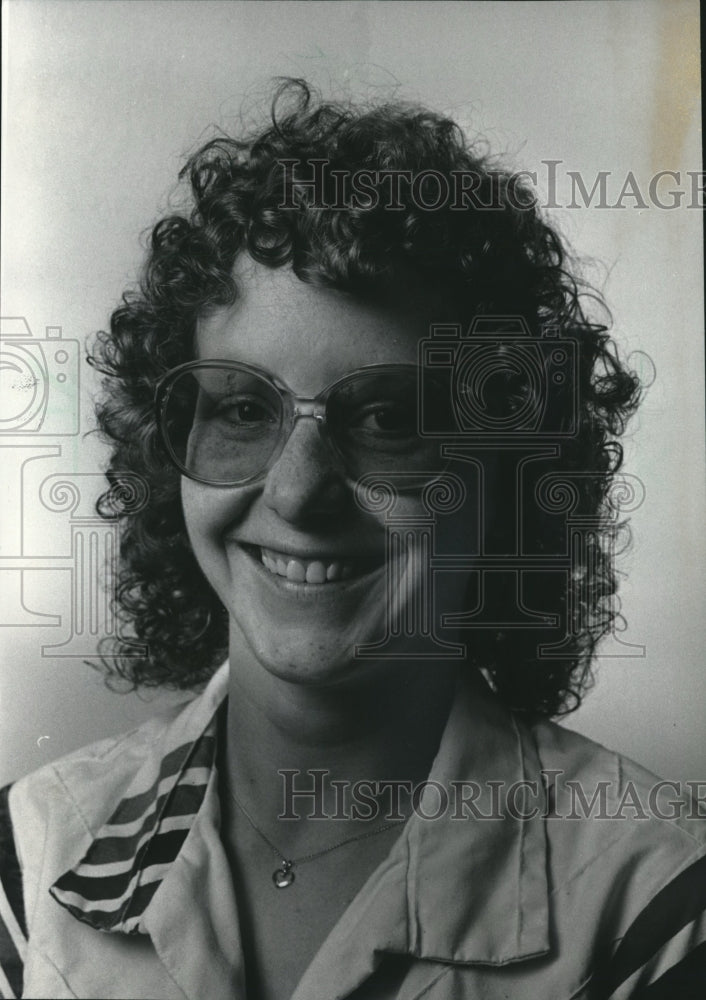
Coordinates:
x,y
113,884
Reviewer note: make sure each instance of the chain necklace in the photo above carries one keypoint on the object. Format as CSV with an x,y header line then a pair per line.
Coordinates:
x,y
283,876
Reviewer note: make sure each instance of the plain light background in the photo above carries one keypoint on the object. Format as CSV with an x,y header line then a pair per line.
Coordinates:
x,y
102,101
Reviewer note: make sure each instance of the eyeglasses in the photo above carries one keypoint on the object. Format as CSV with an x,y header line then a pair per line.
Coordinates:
x,y
224,423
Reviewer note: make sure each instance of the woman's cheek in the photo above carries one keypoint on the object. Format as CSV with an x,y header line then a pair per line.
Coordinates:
x,y
209,513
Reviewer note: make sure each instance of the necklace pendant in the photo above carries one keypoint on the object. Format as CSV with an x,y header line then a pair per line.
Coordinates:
x,y
283,876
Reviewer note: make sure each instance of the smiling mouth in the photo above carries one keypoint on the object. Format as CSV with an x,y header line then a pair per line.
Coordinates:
x,y
296,569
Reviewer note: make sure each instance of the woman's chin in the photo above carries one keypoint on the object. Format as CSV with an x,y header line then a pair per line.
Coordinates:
x,y
309,659
311,634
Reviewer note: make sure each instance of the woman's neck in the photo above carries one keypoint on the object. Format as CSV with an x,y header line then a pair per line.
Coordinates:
x,y
381,726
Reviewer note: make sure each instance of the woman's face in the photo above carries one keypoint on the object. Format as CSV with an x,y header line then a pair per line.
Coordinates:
x,y
302,516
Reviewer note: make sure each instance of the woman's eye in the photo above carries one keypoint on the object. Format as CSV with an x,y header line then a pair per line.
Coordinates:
x,y
244,412
390,419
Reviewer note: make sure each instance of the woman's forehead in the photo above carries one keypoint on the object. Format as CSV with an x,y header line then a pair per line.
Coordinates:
x,y
286,325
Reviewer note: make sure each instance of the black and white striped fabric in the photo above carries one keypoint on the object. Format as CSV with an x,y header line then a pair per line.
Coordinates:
x,y
671,926
113,884
13,930
660,956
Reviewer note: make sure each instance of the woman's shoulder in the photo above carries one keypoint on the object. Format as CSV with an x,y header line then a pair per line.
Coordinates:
x,y
92,778
589,780
53,817
627,855
102,769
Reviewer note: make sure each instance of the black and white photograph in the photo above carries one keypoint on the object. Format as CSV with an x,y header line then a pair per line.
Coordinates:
x,y
352,548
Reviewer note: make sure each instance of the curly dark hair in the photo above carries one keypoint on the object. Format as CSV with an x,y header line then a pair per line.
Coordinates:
x,y
507,260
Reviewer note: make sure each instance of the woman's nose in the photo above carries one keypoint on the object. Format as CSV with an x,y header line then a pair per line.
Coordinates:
x,y
305,481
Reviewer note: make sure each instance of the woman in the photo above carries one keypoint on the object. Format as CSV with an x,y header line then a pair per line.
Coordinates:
x,y
351,380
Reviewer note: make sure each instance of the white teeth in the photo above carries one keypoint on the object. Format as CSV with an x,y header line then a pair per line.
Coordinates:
x,y
296,571
316,573
306,570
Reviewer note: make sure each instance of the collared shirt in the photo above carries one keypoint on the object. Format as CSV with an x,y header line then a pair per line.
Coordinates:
x,y
556,870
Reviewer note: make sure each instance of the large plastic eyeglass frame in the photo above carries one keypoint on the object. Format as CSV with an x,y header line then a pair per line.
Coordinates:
x,y
293,408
